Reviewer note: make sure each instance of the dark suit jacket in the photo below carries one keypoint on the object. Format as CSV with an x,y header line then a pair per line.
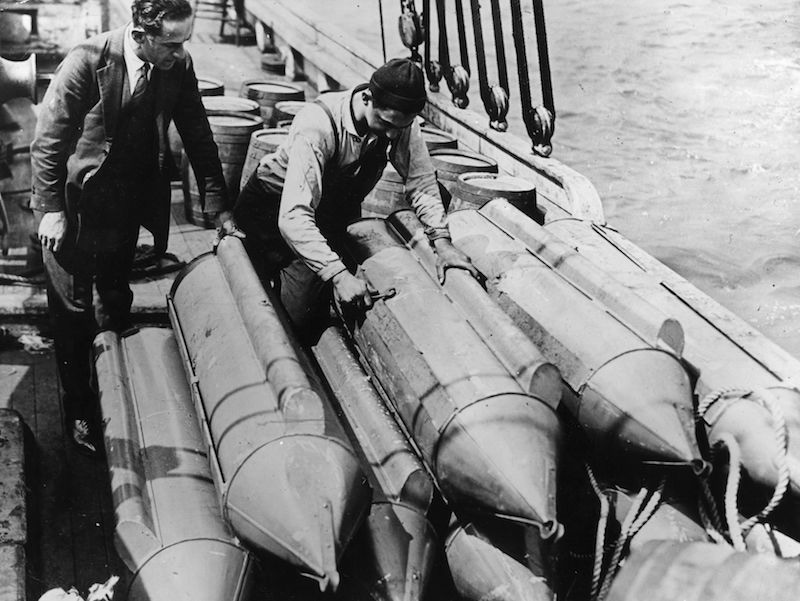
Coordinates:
x,y
78,119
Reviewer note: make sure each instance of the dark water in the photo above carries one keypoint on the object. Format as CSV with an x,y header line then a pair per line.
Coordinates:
x,y
686,118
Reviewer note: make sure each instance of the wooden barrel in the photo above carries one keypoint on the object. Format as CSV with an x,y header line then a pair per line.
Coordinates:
x,y
475,189
232,131
231,103
267,93
388,195
452,162
285,110
284,123
209,86
699,571
436,138
273,63
263,141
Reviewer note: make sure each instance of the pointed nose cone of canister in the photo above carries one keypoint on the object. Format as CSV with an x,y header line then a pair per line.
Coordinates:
x,y
639,406
508,562
499,456
392,557
194,570
300,498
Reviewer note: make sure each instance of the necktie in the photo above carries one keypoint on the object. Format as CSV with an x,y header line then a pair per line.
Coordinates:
x,y
141,83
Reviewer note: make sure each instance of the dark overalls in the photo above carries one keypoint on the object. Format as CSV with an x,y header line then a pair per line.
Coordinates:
x,y
303,294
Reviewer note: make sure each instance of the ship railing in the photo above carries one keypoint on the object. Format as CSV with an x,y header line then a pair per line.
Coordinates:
x,y
328,58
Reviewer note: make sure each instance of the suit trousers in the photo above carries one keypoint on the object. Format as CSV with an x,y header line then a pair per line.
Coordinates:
x,y
92,296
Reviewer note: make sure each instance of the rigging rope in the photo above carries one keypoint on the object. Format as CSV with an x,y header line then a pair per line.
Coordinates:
x,y
462,36
495,98
383,32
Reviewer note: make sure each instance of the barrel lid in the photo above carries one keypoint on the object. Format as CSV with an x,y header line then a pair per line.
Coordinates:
x,y
233,122
210,86
264,135
455,160
483,185
272,89
290,107
230,103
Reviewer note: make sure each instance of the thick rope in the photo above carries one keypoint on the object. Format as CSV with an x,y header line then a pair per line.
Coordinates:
x,y
599,545
518,34
480,57
731,490
462,36
499,49
635,520
383,32
737,530
784,475
713,522
544,57
444,45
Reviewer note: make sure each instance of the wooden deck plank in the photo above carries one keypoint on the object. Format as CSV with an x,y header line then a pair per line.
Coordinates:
x,y
53,544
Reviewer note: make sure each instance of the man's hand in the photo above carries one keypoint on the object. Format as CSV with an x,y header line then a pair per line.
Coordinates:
x,y
52,230
351,291
448,256
224,220
226,226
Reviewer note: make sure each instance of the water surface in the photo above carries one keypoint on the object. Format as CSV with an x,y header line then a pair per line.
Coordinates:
x,y
684,115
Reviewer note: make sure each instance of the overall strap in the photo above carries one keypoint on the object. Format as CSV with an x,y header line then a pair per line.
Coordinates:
x,y
335,130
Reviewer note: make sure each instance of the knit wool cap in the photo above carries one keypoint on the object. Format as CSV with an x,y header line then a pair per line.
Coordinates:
x,y
399,85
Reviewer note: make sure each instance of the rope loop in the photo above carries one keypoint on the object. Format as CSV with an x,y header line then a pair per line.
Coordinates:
x,y
738,530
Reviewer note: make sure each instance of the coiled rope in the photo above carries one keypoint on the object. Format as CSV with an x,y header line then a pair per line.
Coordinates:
x,y
738,530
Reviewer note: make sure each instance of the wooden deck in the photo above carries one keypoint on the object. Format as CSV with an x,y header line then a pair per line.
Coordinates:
x,y
69,510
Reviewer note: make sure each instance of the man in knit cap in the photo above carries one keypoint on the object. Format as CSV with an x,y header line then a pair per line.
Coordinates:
x,y
297,204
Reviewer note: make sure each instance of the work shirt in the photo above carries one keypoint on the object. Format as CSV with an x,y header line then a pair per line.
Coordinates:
x,y
298,165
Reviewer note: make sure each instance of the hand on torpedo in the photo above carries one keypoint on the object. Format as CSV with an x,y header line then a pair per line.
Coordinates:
x,y
351,291
448,256
226,226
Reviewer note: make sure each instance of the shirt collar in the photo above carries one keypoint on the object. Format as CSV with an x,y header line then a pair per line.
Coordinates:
x,y
132,62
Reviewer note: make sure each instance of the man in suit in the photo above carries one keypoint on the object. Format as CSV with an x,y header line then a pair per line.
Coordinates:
x,y
101,169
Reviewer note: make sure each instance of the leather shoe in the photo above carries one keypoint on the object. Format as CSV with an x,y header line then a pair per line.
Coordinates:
x,y
83,438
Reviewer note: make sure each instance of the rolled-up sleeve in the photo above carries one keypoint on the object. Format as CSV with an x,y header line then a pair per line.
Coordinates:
x,y
410,158
309,150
